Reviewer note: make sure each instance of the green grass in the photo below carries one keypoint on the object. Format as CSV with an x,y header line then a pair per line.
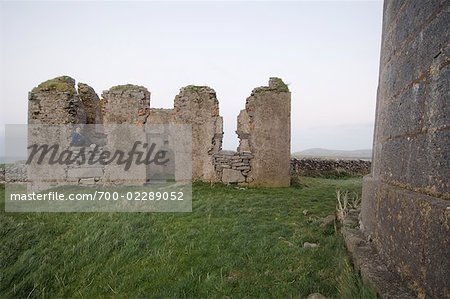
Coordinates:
x,y
236,243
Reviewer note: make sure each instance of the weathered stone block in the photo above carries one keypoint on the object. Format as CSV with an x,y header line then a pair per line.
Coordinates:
x,y
405,19
437,108
436,149
84,172
89,181
247,167
412,231
403,114
419,163
232,176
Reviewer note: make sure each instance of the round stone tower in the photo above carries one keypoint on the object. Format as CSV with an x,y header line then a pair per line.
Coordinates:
x,y
406,199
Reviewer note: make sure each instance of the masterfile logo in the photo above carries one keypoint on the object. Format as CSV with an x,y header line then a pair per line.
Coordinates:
x,y
102,168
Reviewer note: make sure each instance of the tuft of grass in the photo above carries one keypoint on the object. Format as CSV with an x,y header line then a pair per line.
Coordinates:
x,y
350,284
275,84
236,243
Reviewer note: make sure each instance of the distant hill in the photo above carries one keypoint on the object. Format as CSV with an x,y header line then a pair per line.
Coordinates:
x,y
365,154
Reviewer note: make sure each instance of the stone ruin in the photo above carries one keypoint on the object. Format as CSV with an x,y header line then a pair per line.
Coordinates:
x,y
406,200
263,155
405,213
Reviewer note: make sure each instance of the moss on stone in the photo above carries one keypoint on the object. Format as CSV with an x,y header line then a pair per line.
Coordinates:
x,y
197,88
275,84
278,84
126,87
60,84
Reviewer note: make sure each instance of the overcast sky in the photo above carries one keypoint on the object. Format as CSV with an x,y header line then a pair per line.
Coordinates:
x,y
328,53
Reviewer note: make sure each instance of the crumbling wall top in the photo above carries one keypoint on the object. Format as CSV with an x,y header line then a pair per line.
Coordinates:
x,y
59,84
126,104
55,101
275,85
134,91
198,88
195,103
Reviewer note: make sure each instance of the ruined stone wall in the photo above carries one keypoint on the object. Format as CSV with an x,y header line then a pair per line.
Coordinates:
x,y
129,106
199,107
56,102
126,104
264,130
54,106
405,207
263,154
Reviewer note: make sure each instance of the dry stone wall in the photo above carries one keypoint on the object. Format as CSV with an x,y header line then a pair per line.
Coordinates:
x,y
328,167
233,167
199,107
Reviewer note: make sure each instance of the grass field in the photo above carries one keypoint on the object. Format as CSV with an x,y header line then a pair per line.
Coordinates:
x,y
236,243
